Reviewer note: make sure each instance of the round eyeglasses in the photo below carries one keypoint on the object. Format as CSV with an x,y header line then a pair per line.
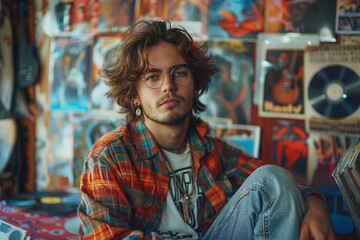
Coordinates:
x,y
179,74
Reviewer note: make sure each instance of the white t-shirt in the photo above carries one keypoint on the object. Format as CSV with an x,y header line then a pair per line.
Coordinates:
x,y
172,225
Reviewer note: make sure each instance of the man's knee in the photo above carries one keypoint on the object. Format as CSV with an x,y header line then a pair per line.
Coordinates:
x,y
275,178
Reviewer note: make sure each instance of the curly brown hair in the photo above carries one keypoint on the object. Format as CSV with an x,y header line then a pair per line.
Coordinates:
x,y
128,61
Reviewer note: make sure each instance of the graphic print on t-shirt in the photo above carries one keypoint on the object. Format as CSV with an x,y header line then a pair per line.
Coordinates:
x,y
172,225
185,177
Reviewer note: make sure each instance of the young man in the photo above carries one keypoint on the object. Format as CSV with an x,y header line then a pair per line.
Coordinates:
x,y
159,176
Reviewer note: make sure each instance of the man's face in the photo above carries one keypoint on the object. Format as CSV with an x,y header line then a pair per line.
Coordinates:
x,y
171,103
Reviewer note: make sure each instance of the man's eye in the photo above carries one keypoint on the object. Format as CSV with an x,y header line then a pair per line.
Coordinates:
x,y
152,77
180,74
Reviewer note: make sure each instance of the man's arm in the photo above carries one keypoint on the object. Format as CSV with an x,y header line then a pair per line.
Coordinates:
x,y
316,222
104,210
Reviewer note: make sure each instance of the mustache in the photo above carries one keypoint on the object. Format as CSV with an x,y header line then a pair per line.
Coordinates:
x,y
167,96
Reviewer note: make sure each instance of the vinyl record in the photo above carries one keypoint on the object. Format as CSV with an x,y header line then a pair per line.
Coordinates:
x,y
334,91
48,203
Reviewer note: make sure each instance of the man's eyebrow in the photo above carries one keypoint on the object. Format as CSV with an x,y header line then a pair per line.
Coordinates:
x,y
169,69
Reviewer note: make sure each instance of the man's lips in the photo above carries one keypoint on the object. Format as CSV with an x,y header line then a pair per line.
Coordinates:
x,y
169,101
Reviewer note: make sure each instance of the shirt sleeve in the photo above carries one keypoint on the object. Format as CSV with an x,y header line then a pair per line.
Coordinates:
x,y
104,211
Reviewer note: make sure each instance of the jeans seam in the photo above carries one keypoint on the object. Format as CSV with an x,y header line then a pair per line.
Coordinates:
x,y
218,230
245,192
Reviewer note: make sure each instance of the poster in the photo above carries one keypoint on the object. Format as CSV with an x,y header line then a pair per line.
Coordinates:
x,y
70,74
236,19
229,94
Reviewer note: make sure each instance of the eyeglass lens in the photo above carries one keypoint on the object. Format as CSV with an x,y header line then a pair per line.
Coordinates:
x,y
179,74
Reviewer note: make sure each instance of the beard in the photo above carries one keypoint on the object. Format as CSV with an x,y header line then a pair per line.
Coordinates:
x,y
172,118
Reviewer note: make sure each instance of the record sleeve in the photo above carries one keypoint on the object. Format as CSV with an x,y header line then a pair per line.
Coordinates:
x,y
115,16
347,17
70,74
229,94
192,15
236,19
310,17
348,185
101,53
150,9
332,89
244,137
291,149
279,75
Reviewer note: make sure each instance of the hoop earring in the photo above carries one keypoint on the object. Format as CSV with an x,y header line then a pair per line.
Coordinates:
x,y
138,111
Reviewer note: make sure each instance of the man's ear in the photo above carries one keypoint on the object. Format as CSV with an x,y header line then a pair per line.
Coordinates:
x,y
196,94
136,100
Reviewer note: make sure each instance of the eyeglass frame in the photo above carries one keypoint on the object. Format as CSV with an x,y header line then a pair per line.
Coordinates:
x,y
170,71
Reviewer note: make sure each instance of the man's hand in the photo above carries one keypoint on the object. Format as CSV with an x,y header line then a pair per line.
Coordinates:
x,y
316,222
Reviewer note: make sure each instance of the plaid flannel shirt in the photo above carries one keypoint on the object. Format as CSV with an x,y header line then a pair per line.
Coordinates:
x,y
125,181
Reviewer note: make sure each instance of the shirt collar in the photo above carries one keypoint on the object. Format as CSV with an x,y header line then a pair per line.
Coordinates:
x,y
146,145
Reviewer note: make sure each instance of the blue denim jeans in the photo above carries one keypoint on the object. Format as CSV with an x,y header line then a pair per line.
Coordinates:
x,y
269,205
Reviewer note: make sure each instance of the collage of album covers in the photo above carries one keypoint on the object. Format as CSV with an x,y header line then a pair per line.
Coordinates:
x,y
255,44
280,74
113,16
348,17
347,176
229,94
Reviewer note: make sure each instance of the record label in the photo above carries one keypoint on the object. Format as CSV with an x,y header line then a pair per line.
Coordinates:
x,y
334,91
48,203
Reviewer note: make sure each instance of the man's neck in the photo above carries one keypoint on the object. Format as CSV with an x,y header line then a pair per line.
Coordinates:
x,y
169,137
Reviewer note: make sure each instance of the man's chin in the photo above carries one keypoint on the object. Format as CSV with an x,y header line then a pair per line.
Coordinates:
x,y
170,119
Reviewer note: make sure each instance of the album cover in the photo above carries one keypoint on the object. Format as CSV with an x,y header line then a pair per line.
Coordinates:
x,y
350,39
332,89
150,9
244,137
281,74
290,148
100,55
193,14
347,17
311,16
290,46
59,155
71,18
70,74
229,94
236,19
115,16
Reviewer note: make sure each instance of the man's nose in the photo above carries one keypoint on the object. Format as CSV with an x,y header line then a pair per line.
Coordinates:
x,y
168,83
